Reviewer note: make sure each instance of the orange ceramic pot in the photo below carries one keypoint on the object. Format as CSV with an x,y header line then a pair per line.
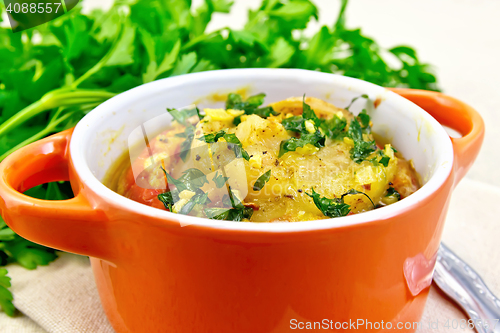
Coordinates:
x,y
368,272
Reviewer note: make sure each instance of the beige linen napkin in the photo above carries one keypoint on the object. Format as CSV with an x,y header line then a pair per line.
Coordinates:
x,y
62,297
59,298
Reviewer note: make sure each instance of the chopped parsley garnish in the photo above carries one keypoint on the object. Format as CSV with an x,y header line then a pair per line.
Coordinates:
x,y
188,134
191,180
362,149
167,199
197,199
219,180
250,106
353,191
233,214
230,138
316,139
298,124
181,116
294,124
391,192
308,113
330,207
235,101
237,213
262,180
335,207
355,99
364,121
213,137
384,160
334,128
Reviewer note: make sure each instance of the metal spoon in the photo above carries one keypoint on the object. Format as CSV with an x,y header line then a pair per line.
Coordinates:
x,y
462,284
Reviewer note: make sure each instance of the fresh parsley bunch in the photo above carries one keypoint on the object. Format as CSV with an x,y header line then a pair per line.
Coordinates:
x,y
53,74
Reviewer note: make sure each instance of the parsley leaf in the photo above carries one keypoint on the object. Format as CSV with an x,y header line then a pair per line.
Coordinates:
x,y
363,117
364,121
219,180
6,234
294,124
261,181
235,101
309,114
298,124
213,137
330,207
262,112
362,149
5,295
385,160
391,191
250,106
355,99
233,214
192,179
197,199
316,139
334,128
217,213
186,144
230,138
281,52
238,146
353,191
20,250
237,213
167,199
28,254
181,116
335,207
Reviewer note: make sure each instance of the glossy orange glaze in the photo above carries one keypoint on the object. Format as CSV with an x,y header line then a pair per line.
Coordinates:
x,y
154,276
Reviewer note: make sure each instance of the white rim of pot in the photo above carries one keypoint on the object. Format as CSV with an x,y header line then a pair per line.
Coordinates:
x,y
83,131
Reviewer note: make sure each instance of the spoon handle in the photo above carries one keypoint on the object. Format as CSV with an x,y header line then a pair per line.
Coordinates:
x,y
461,283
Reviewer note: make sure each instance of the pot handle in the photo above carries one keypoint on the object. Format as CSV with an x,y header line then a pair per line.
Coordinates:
x,y
457,115
71,225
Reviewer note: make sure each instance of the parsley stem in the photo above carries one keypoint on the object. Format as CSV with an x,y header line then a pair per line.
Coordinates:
x,y
51,127
200,38
21,116
260,15
88,74
46,131
56,98
341,17
97,67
